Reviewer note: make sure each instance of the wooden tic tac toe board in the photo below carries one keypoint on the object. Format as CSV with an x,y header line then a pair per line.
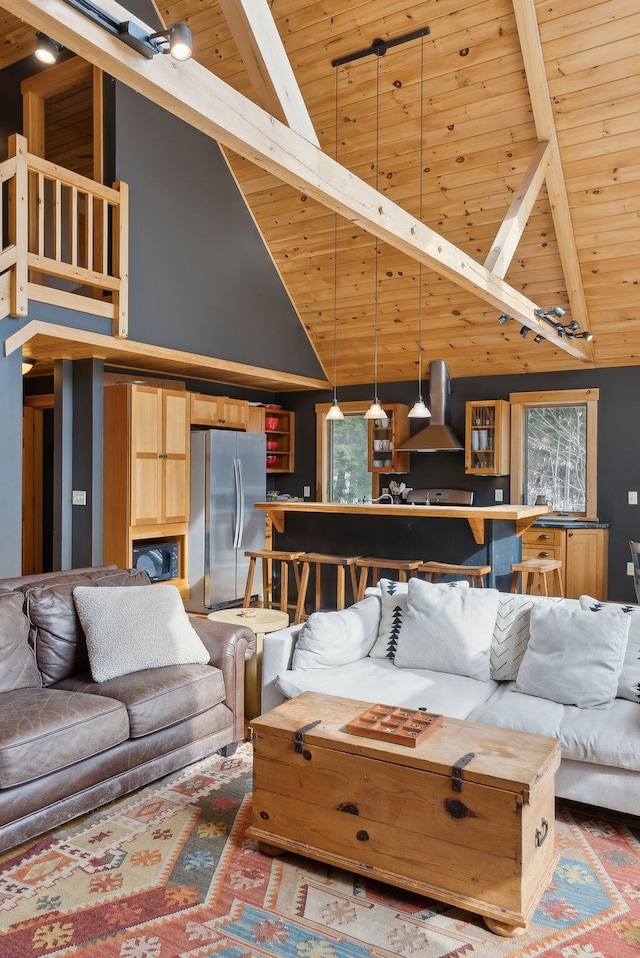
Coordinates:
x,y
389,724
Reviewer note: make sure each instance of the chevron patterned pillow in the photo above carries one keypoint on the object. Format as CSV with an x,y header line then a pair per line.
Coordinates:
x,y
629,678
511,633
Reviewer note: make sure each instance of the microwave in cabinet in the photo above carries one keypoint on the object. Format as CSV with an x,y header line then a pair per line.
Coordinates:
x,y
158,559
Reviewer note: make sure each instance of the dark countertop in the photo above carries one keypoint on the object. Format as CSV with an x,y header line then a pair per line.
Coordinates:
x,y
560,523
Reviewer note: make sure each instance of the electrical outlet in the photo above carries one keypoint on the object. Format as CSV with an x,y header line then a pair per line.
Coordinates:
x,y
79,497
632,498
629,568
498,495
306,491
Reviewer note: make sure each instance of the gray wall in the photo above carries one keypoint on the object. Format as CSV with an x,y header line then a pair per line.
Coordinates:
x,y
201,278
618,458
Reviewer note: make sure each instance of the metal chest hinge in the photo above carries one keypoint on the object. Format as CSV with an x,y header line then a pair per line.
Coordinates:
x,y
299,739
456,771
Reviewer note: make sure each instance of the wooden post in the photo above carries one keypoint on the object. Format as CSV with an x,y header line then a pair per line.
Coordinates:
x,y
19,224
120,253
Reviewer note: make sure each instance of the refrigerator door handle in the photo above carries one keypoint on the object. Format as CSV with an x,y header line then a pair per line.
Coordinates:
x,y
241,499
236,481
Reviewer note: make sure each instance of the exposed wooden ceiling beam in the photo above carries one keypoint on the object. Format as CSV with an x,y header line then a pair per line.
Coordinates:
x,y
535,70
201,99
267,65
506,242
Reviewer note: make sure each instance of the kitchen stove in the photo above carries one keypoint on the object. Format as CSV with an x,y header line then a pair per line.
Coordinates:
x,y
440,497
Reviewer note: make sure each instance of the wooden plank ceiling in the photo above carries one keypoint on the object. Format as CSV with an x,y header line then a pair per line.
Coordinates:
x,y
481,129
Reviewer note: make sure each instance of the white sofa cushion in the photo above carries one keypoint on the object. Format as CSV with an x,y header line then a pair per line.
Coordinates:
x,y
447,629
573,657
511,633
602,736
393,598
629,679
330,639
378,680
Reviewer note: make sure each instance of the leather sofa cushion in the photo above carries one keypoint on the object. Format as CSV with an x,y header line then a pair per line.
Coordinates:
x,y
56,633
18,668
44,730
155,699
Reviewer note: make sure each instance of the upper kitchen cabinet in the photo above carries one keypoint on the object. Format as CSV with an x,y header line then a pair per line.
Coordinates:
x,y
218,412
487,438
384,437
146,466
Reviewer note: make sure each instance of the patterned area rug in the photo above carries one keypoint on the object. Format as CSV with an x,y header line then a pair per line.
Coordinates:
x,y
169,872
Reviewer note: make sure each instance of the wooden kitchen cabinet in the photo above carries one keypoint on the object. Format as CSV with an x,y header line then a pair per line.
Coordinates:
x,y
583,553
280,429
487,438
146,469
384,437
218,412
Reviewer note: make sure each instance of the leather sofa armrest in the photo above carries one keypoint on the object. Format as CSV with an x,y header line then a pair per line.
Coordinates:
x,y
229,646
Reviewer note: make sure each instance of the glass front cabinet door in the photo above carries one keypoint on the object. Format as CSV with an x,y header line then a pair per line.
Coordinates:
x,y
487,439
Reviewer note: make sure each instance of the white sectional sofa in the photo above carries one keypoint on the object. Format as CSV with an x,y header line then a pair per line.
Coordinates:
x,y
515,661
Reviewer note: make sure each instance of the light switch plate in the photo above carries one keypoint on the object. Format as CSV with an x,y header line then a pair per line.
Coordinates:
x,y
498,495
632,498
306,491
629,568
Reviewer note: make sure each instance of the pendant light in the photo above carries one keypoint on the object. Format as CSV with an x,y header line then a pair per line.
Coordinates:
x,y
419,410
375,410
335,413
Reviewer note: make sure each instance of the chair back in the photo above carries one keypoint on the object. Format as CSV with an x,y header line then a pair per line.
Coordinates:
x,y
635,555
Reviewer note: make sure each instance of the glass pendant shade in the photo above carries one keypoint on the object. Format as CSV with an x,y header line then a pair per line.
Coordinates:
x,y
419,410
334,413
375,411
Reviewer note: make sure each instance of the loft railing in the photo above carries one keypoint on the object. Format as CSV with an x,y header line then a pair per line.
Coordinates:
x,y
64,239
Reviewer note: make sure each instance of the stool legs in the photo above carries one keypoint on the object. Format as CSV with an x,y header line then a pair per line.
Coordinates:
x,y
249,586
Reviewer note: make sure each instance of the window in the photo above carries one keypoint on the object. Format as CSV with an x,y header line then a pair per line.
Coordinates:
x,y
553,449
342,467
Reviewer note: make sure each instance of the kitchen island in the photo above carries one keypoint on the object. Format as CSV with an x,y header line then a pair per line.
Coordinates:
x,y
413,531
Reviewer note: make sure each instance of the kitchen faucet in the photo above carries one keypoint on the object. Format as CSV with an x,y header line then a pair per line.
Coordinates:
x,y
385,495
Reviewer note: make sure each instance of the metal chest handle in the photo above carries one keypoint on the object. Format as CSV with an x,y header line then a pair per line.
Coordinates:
x,y
299,738
456,771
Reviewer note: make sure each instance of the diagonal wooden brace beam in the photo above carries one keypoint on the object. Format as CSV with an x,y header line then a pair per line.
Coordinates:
x,y
534,65
506,242
267,65
201,99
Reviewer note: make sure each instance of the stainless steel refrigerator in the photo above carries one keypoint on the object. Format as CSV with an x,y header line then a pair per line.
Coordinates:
x,y
228,475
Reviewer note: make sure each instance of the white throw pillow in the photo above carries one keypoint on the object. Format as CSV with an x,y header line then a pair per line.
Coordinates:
x,y
447,629
629,680
330,639
130,628
573,657
511,633
393,598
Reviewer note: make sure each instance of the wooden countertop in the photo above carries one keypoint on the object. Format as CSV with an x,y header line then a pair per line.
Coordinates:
x,y
523,516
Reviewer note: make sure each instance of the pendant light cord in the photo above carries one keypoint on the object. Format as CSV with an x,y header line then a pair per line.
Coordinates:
x,y
375,271
335,264
420,217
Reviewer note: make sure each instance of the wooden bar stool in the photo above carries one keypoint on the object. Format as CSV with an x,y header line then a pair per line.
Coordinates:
x,y
401,566
534,573
268,556
474,573
319,560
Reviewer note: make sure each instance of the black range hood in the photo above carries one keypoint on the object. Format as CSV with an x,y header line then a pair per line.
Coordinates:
x,y
438,435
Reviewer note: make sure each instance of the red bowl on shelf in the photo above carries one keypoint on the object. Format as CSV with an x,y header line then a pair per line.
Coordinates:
x,y
271,423
272,462
272,445
271,405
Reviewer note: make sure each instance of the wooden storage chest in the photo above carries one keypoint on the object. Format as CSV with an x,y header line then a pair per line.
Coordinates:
x,y
480,836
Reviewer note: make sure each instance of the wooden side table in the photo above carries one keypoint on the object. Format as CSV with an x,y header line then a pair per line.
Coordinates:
x,y
264,620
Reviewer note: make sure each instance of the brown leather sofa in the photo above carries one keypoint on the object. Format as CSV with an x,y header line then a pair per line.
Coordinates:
x,y
69,744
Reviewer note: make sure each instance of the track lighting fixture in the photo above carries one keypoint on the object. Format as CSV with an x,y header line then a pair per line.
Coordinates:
x,y
571,330
47,50
175,40
524,331
504,319
538,338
